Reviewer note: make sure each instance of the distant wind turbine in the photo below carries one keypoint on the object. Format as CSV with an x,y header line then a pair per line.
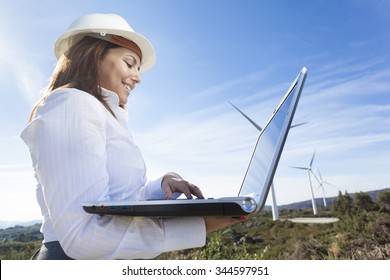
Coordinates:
x,y
310,172
275,212
321,185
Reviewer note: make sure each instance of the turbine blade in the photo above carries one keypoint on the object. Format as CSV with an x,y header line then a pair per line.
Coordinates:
x,y
315,176
319,173
298,124
329,184
248,118
312,158
298,167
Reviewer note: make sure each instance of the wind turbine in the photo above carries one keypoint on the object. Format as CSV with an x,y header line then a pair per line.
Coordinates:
x,y
321,185
255,124
275,212
310,171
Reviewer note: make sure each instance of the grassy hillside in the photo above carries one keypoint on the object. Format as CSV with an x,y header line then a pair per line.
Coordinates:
x,y
364,236
363,232
19,242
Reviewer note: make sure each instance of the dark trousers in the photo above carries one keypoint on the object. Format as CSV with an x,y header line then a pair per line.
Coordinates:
x,y
50,251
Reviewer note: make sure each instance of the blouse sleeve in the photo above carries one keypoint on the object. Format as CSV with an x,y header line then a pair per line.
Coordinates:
x,y
67,142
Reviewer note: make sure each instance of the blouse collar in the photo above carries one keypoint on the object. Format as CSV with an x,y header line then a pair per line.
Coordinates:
x,y
113,101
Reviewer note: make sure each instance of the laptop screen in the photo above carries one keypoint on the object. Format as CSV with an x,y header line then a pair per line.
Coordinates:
x,y
269,146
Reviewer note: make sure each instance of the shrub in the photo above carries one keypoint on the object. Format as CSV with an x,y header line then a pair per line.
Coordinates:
x,y
343,205
363,201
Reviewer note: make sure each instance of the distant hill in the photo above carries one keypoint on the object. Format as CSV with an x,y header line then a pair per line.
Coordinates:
x,y
292,206
21,233
319,201
7,224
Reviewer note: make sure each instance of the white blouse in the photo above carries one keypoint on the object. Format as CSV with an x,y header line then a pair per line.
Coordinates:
x,y
81,153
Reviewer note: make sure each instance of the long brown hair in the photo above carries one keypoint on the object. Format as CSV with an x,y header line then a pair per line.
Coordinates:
x,y
78,68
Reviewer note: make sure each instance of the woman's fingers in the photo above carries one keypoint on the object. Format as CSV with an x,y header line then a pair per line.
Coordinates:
x,y
196,191
172,184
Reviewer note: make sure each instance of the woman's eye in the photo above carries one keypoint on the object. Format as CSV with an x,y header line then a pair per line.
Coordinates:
x,y
128,64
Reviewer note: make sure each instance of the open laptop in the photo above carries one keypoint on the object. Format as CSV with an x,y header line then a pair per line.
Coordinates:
x,y
256,183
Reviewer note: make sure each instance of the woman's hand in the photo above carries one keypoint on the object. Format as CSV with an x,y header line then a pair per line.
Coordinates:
x,y
173,182
216,223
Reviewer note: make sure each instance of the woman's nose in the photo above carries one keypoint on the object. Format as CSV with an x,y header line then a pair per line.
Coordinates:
x,y
136,77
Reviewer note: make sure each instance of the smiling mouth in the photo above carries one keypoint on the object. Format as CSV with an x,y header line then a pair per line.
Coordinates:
x,y
128,87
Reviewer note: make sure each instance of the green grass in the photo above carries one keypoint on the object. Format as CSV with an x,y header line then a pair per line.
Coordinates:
x,y
360,235
353,237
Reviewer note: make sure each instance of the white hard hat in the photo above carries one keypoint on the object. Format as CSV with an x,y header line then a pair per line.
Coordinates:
x,y
102,26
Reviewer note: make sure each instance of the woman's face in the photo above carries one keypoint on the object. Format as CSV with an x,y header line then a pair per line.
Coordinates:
x,y
119,72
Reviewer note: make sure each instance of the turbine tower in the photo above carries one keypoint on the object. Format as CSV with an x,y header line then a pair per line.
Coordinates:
x,y
310,172
275,212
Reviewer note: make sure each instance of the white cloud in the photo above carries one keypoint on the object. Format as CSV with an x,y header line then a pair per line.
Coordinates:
x,y
29,79
17,188
20,59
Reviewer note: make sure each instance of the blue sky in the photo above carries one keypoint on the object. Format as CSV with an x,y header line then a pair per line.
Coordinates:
x,y
210,52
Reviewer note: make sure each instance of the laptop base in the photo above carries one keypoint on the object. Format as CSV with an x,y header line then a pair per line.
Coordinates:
x,y
240,206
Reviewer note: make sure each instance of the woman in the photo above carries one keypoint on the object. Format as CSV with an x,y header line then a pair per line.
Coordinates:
x,y
82,150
